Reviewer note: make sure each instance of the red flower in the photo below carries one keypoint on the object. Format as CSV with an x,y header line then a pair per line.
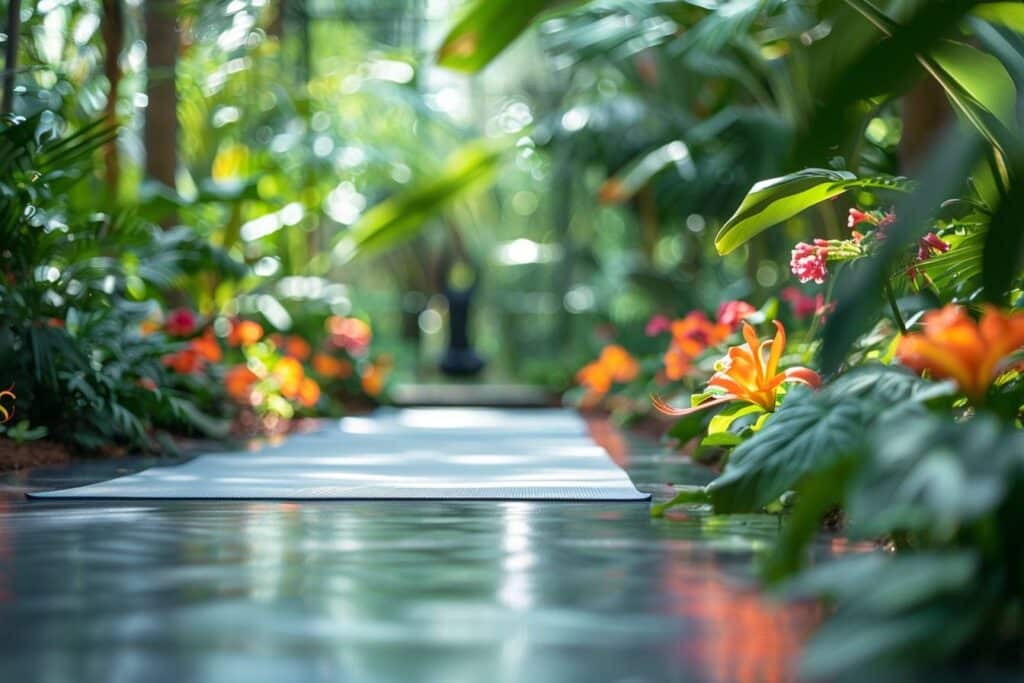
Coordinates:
x,y
658,324
207,347
857,217
927,246
351,334
731,313
181,322
239,381
184,362
808,261
801,304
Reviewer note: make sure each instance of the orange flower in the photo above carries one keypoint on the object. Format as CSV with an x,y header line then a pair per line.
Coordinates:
x,y
244,333
309,392
745,375
184,362
330,367
678,362
372,379
207,347
289,374
954,346
690,337
297,348
238,381
148,327
621,366
615,364
595,378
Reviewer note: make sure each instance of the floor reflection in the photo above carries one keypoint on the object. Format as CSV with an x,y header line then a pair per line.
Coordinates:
x,y
388,591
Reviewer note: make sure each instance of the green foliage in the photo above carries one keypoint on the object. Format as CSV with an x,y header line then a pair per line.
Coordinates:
x,y
487,28
76,287
950,493
398,218
810,432
895,615
773,201
932,478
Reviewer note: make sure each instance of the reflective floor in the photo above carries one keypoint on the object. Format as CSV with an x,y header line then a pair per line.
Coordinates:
x,y
387,591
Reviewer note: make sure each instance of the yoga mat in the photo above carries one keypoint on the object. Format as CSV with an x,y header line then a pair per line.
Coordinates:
x,y
419,453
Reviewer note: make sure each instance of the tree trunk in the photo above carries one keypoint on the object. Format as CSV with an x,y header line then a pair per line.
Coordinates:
x,y
926,111
160,136
113,43
11,53
275,29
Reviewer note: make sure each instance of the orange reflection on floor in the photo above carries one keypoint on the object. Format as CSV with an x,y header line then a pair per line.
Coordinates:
x,y
608,437
742,636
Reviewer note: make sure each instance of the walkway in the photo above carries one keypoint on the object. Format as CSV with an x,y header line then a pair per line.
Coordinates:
x,y
404,591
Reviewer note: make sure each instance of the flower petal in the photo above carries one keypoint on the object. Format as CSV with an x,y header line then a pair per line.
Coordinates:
x,y
665,409
777,347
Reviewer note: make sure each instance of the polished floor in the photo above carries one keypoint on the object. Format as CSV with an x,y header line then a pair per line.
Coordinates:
x,y
388,591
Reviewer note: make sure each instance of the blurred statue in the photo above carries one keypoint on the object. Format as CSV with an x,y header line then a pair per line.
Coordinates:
x,y
459,284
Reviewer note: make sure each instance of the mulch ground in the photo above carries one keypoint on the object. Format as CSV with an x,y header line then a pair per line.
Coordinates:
x,y
17,456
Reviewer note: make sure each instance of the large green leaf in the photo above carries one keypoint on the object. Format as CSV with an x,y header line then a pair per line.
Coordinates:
x,y
931,475
893,612
981,91
773,201
631,179
1003,252
1009,14
805,435
812,432
487,28
977,84
401,216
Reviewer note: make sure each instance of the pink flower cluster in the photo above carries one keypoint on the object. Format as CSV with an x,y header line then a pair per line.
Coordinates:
x,y
808,261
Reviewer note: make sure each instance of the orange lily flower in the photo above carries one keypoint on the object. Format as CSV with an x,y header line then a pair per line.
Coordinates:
x,y
745,375
954,346
5,414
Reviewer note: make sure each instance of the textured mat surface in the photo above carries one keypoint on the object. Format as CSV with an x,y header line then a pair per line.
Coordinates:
x,y
421,453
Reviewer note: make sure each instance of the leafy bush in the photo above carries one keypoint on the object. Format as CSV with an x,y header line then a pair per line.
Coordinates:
x,y
76,287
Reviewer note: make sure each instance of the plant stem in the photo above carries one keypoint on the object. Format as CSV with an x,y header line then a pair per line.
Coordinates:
x,y
895,309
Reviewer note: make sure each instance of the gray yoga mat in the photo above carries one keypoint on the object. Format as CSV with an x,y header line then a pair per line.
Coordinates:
x,y
421,453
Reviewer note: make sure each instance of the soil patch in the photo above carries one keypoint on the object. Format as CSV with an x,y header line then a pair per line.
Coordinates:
x,y
17,456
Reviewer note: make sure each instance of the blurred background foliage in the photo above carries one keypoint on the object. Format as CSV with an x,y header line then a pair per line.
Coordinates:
x,y
619,136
